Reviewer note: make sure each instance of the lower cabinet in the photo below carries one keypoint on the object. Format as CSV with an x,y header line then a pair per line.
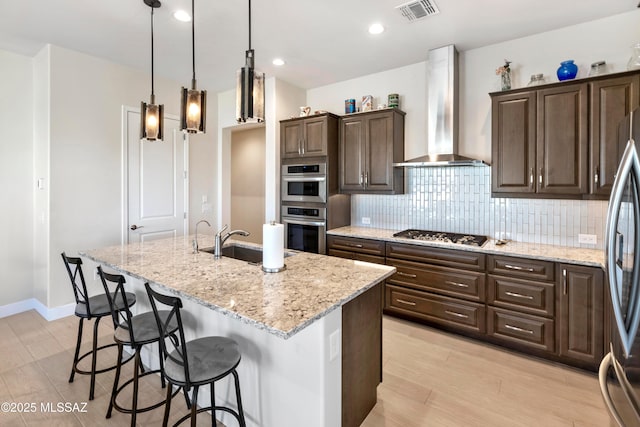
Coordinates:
x,y
537,307
581,315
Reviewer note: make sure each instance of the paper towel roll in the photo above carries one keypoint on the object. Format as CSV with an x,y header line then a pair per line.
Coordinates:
x,y
272,245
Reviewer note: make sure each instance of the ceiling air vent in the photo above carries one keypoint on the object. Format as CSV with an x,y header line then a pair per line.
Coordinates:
x,y
416,10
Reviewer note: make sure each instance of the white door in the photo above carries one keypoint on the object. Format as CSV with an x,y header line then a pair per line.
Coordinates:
x,y
156,177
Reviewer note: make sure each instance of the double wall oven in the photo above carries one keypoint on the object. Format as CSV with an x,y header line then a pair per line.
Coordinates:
x,y
304,206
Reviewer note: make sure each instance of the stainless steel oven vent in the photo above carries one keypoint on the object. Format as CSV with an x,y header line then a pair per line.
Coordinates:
x,y
415,10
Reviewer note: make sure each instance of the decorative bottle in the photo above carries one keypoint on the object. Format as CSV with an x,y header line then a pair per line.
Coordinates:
x,y
634,61
567,71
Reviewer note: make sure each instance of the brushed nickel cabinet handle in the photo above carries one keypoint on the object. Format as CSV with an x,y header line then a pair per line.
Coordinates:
x,y
564,281
596,177
517,295
460,285
453,313
362,179
515,328
531,177
366,179
354,245
405,302
413,276
518,268
540,178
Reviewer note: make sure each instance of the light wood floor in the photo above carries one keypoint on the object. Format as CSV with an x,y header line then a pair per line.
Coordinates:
x,y
430,379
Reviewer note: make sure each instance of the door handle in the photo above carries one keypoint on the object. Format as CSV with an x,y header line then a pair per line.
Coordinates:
x,y
135,227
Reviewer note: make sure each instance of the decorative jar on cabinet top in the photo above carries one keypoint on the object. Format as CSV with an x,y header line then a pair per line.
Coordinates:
x,y
567,71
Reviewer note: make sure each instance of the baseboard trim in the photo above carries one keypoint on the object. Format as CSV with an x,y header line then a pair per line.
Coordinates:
x,y
48,313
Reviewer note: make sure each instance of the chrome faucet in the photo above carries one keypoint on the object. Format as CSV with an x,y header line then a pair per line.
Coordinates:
x,y
195,239
220,239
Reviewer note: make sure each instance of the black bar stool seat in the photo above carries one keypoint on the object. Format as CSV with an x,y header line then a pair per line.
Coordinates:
x,y
88,308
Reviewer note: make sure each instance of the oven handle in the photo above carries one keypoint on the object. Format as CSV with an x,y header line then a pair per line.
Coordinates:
x,y
305,178
304,222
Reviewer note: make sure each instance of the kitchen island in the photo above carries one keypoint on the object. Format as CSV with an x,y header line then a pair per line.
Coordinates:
x,y
310,336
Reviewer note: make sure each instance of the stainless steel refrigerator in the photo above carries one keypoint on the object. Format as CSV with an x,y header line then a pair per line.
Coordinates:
x,y
619,372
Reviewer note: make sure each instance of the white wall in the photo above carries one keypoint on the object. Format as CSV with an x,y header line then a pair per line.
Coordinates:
x,y
409,82
247,181
16,176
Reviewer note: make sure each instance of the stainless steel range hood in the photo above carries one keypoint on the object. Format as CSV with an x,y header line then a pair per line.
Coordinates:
x,y
442,110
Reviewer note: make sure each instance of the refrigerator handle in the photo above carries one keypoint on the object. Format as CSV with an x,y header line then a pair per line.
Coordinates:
x,y
620,239
602,379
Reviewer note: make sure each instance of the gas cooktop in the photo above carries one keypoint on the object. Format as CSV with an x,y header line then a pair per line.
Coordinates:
x,y
438,236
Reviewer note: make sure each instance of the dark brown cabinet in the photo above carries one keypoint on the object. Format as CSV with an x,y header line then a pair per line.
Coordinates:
x,y
521,303
355,248
539,142
370,143
560,140
581,318
610,101
308,136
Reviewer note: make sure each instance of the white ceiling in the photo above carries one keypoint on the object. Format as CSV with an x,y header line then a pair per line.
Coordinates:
x,y
323,41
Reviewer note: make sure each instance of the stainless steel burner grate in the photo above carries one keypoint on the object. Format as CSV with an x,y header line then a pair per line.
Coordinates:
x,y
439,236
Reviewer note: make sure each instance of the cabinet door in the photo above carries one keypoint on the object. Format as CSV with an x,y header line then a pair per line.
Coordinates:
x,y
562,140
291,135
581,314
315,137
352,140
611,100
513,142
379,153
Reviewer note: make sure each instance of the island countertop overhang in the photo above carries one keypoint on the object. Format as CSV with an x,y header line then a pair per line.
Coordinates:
x,y
281,303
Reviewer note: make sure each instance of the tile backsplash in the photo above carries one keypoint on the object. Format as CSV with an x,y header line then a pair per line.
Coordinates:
x,y
458,199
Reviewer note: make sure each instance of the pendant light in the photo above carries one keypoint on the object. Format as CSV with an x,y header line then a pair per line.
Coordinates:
x,y
151,114
193,102
249,88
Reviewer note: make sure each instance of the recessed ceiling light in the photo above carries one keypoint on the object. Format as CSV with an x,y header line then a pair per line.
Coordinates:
x,y
278,62
376,28
182,16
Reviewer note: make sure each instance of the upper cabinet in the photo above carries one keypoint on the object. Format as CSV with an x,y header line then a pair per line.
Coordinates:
x,y
370,143
560,140
611,100
308,136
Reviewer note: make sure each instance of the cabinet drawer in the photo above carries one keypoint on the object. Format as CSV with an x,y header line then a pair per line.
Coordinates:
x,y
365,246
512,327
446,257
448,281
524,295
441,310
521,267
356,256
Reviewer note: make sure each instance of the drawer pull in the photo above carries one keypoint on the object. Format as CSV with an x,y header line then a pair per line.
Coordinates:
x,y
460,285
513,294
413,276
518,268
515,328
405,302
354,245
453,313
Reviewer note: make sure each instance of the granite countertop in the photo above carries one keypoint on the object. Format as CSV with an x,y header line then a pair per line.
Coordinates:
x,y
281,303
581,256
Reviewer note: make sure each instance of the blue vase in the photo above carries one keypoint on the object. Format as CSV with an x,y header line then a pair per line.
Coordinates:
x,y
567,71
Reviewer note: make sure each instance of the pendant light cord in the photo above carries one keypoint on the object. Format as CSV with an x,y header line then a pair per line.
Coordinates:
x,y
152,92
249,24
193,42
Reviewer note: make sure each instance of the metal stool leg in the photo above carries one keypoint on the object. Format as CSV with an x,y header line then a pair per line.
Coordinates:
x,y
213,404
167,406
238,398
77,353
115,381
136,375
94,357
194,406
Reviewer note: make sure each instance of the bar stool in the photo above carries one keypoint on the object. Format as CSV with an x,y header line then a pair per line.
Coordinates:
x,y
191,364
94,307
135,332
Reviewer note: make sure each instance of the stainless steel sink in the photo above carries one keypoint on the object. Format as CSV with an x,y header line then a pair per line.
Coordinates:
x,y
242,253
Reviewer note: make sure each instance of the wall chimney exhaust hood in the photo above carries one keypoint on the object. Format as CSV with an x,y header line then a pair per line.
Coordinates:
x,y
442,110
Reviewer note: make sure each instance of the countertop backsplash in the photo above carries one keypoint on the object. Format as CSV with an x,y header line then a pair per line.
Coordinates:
x,y
458,199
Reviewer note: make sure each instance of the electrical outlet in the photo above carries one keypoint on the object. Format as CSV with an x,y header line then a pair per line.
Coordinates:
x,y
334,344
587,239
366,220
